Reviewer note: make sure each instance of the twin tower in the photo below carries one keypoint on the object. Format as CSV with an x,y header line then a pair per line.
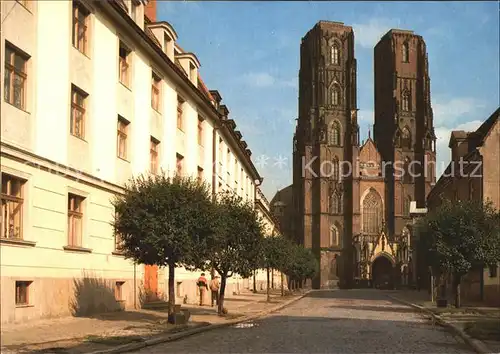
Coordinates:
x,y
349,197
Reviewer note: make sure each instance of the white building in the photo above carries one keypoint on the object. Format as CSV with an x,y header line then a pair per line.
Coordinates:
x,y
95,92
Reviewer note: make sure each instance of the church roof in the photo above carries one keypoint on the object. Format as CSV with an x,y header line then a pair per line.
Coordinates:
x,y
369,148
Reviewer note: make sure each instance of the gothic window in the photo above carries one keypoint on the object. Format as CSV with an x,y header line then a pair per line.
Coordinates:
x,y
336,203
406,206
406,101
397,139
336,95
406,138
372,213
335,55
406,52
334,134
334,236
335,169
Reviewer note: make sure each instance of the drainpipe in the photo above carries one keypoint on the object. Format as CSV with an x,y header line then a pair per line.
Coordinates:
x,y
254,199
214,173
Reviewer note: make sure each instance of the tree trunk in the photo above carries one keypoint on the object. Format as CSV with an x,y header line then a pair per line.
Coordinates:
x,y
268,290
456,280
282,285
171,293
272,278
222,290
254,281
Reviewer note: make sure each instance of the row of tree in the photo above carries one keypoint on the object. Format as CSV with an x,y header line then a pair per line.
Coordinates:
x,y
458,237
177,221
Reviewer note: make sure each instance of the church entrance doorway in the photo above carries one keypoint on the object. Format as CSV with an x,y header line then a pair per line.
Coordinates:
x,y
382,273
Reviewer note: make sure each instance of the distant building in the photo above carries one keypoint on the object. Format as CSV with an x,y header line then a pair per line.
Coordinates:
x,y
478,179
351,209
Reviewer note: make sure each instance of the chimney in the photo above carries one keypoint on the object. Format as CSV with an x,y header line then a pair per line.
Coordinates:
x,y
459,144
150,10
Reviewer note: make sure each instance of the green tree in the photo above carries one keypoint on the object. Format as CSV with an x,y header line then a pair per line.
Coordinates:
x,y
301,265
459,236
275,255
233,246
160,219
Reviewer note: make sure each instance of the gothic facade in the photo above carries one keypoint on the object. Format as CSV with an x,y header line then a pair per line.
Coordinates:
x,y
351,200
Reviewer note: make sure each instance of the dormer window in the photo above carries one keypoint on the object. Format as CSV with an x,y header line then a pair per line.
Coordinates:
x,y
192,72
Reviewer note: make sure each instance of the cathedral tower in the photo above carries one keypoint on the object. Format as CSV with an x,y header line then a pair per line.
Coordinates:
x,y
326,136
404,130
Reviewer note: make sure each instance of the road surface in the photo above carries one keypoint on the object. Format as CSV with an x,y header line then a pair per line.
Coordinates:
x,y
327,321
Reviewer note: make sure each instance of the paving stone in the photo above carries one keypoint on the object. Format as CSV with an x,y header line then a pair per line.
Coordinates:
x,y
337,321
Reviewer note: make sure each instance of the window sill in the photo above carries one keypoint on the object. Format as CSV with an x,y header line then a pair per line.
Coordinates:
x,y
124,159
78,137
77,249
24,306
17,242
125,85
117,253
158,111
16,107
82,53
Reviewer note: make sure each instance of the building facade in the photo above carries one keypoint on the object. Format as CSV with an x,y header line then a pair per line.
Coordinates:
x,y
351,199
477,179
96,92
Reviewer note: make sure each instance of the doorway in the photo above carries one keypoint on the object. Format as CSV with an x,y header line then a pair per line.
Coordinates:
x,y
382,273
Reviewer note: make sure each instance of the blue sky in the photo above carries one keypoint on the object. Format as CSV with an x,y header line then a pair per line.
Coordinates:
x,y
249,51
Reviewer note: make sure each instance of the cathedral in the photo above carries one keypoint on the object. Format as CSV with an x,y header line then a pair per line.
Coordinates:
x,y
350,198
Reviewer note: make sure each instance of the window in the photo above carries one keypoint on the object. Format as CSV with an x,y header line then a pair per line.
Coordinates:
x,y
119,291
155,92
336,203
405,52
118,242
80,27
166,42
220,155
334,134
179,164
122,131
493,270
192,72
406,101
372,213
75,220
22,292
406,138
334,236
133,10
153,155
335,95
200,174
200,131
77,124
124,64
335,169
180,104
406,206
335,57
15,77
12,207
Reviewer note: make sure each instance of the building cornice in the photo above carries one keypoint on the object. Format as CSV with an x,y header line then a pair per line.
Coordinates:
x,y
35,161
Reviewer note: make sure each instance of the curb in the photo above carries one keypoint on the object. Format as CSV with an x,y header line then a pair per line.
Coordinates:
x,y
476,344
198,329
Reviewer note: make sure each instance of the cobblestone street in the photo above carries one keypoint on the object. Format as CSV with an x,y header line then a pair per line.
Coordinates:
x,y
337,321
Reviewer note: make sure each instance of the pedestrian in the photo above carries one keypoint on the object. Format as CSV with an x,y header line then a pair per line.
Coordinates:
x,y
202,287
214,287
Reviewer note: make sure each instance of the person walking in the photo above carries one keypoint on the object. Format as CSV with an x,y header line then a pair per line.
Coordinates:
x,y
214,287
202,286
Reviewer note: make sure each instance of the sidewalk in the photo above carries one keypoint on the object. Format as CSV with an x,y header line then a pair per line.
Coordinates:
x,y
104,331
478,322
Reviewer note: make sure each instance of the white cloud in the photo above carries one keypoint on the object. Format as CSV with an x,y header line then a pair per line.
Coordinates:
x,y
447,113
443,134
368,34
259,79
263,79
